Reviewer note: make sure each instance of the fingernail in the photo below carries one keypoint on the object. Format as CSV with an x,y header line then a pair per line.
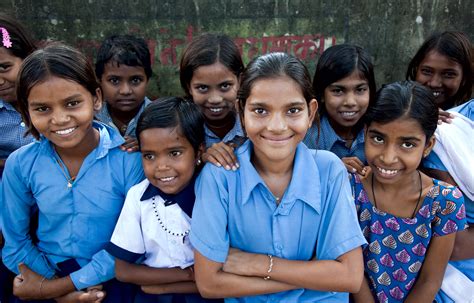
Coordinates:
x,y
354,170
237,164
218,165
100,295
227,167
234,168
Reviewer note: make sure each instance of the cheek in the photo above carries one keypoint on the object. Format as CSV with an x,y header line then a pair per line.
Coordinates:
x,y
148,169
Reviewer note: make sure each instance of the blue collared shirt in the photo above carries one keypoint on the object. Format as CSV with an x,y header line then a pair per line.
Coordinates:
x,y
12,130
74,222
236,132
329,140
316,215
104,116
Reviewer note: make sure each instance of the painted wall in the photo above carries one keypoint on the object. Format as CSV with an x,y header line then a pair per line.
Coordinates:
x,y
391,30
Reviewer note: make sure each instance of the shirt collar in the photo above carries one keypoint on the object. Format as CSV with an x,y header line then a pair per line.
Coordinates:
x,y
299,188
109,139
6,105
185,198
328,133
104,116
236,130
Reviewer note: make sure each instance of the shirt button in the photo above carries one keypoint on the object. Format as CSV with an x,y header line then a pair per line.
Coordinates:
x,y
22,124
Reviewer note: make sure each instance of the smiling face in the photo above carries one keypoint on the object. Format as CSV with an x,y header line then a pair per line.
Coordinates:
x,y
168,158
346,101
394,150
9,67
442,75
62,111
124,88
214,88
276,118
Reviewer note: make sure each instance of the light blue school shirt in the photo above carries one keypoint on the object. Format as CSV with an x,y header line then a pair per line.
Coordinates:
x,y
316,215
329,140
234,134
104,116
74,222
12,130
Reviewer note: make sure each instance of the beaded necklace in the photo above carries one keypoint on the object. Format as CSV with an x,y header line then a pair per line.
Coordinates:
x,y
169,231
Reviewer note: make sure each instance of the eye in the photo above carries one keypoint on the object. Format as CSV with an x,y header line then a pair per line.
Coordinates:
x,y
408,145
136,81
114,80
336,91
377,139
72,103
148,156
426,71
41,109
175,153
361,90
260,111
294,110
4,67
202,88
450,75
226,86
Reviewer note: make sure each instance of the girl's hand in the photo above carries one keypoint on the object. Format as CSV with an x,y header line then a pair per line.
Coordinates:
x,y
130,145
27,285
354,165
245,264
444,116
94,294
221,154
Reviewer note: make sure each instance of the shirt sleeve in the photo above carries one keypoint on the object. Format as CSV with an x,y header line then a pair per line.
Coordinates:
x,y
101,268
17,205
209,233
133,170
127,239
450,216
341,231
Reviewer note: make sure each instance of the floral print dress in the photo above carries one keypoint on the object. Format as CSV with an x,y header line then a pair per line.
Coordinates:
x,y
397,246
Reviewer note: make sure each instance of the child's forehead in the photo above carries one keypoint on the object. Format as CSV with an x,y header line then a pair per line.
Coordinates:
x,y
114,64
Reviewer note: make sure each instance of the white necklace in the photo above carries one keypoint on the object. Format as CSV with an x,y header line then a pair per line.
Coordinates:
x,y
169,231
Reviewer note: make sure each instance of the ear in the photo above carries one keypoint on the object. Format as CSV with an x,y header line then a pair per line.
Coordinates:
x,y
313,109
199,153
97,100
429,146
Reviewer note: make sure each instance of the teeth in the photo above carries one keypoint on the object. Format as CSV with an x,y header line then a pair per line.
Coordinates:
x,y
388,171
166,179
348,114
436,94
65,131
215,109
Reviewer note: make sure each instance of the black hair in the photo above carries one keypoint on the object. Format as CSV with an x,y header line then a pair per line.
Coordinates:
x,y
404,98
174,112
22,42
457,47
208,49
123,49
338,62
274,65
55,60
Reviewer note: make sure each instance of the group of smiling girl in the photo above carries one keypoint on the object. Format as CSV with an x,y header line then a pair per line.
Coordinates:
x,y
276,215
